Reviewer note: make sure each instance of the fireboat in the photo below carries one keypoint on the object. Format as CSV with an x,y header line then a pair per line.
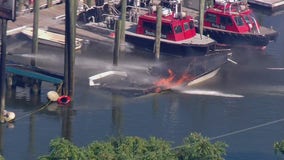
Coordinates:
x,y
232,22
178,33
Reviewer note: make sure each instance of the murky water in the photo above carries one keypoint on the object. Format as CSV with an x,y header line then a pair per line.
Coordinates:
x,y
242,105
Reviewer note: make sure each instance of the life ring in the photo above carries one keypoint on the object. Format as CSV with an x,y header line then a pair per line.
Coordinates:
x,y
64,100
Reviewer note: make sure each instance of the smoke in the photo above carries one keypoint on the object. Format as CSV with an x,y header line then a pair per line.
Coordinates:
x,y
50,57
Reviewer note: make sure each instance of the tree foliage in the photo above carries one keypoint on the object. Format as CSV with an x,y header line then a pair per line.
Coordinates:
x,y
279,147
196,147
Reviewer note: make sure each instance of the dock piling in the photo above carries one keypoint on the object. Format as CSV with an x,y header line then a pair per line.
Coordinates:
x,y
70,36
123,19
201,16
3,67
117,42
35,33
158,32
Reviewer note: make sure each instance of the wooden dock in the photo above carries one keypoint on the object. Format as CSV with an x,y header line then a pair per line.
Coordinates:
x,y
47,17
34,73
29,74
269,4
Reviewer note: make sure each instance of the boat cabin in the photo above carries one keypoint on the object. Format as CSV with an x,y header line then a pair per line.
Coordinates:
x,y
175,26
231,16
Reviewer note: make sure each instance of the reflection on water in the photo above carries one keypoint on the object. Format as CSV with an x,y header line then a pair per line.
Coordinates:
x,y
240,96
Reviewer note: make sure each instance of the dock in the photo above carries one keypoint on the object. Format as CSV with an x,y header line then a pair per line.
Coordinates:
x,y
52,19
34,73
272,5
24,74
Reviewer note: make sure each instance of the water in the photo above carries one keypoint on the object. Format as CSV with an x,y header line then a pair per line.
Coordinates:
x,y
242,105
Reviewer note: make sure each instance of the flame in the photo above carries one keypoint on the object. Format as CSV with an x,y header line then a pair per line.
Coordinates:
x,y
170,81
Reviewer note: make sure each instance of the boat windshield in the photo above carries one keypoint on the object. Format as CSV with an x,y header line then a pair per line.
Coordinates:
x,y
188,25
247,19
178,29
239,21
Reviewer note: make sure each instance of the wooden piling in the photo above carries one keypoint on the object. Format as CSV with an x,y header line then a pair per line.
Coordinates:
x,y
3,67
89,2
201,16
49,3
70,35
158,32
35,33
20,5
117,42
123,19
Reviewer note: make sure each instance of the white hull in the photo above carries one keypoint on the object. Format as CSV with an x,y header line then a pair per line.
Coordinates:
x,y
204,77
50,38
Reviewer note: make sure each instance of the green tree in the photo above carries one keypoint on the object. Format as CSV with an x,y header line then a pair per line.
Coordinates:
x,y
279,147
61,148
197,147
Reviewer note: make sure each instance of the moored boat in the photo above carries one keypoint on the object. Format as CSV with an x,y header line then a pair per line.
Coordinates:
x,y
232,22
178,34
51,38
187,56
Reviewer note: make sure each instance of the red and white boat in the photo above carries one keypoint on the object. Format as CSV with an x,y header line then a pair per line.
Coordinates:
x,y
178,33
195,56
232,22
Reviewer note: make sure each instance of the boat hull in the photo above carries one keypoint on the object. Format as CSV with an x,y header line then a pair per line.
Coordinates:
x,y
51,38
238,39
179,71
179,49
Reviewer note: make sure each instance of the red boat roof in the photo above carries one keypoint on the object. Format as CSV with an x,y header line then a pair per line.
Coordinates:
x,y
175,26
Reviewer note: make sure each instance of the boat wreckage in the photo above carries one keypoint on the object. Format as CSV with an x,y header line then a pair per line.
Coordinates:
x,y
161,76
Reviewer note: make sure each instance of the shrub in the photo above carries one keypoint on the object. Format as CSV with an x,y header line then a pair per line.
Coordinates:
x,y
195,147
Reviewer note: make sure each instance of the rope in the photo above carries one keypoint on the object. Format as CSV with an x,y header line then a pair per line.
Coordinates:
x,y
33,112
238,131
41,108
247,129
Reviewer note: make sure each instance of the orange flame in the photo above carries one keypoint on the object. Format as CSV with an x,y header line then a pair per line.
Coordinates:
x,y
169,82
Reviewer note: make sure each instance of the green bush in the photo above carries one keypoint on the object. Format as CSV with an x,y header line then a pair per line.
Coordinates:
x,y
279,147
195,147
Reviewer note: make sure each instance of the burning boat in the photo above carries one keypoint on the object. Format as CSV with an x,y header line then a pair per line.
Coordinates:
x,y
191,57
232,22
173,73
178,33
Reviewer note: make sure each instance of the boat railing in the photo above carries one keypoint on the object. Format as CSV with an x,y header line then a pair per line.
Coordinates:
x,y
228,6
135,12
256,25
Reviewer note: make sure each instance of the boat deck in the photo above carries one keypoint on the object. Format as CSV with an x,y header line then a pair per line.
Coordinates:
x,y
270,4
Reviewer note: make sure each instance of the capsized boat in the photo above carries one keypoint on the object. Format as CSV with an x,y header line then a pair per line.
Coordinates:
x,y
232,22
178,33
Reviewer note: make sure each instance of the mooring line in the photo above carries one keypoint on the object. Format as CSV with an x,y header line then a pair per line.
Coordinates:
x,y
236,132
33,112
247,129
41,108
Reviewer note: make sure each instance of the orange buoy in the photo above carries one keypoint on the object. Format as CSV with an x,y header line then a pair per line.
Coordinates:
x,y
64,100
